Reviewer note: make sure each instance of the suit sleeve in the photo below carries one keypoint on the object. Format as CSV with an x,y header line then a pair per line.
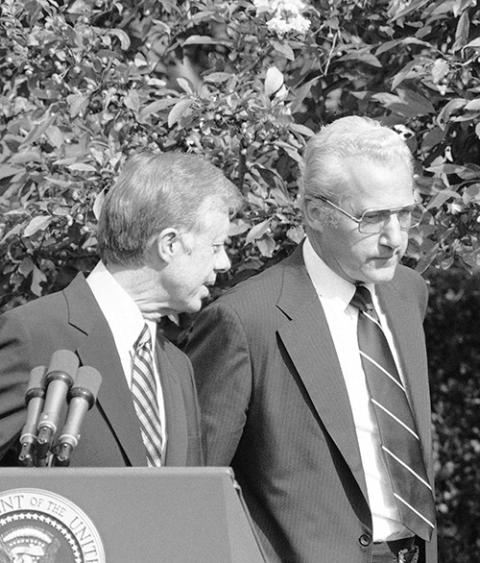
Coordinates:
x,y
218,349
15,354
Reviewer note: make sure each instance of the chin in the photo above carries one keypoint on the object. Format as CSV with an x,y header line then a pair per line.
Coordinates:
x,y
383,275
195,305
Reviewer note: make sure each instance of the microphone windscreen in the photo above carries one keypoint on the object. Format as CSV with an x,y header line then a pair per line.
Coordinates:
x,y
88,378
37,376
63,361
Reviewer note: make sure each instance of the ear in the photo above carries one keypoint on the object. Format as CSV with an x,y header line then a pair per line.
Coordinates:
x,y
314,213
167,244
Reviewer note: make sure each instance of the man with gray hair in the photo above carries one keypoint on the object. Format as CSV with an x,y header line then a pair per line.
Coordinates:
x,y
312,376
161,236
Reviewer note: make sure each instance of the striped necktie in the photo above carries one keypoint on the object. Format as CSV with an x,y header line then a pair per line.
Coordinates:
x,y
144,392
400,442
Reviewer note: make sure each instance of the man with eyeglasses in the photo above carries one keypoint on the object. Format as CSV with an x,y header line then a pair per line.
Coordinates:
x,y
312,376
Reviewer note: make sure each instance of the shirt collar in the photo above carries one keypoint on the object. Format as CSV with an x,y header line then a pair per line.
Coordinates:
x,y
119,309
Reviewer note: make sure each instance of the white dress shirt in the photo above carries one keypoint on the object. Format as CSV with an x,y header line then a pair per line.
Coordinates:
x,y
126,323
335,295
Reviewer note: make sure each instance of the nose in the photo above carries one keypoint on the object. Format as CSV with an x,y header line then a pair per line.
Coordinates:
x,y
222,262
392,235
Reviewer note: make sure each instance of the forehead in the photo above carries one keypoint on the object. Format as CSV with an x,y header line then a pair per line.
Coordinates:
x,y
377,185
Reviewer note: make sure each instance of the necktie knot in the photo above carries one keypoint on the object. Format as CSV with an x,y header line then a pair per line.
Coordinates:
x,y
144,340
362,299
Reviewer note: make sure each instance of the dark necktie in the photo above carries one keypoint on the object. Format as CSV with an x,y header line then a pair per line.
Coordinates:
x,y
144,392
400,442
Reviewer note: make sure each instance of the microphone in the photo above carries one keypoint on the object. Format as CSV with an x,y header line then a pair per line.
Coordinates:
x,y
34,399
83,395
59,378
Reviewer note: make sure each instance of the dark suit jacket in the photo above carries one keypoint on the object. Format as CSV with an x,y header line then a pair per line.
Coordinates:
x,y
275,407
72,320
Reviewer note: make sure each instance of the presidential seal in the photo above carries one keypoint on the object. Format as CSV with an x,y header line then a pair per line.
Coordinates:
x,y
38,526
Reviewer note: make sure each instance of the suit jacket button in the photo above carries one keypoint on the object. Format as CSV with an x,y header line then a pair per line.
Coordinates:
x,y
365,540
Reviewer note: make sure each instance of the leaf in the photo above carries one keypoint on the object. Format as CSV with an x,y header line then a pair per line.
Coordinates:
x,y
185,85
363,57
388,45
421,104
38,223
284,49
475,43
257,231
296,234
77,103
302,129
409,8
25,266
6,171
38,277
55,135
122,36
441,198
238,227
473,105
301,93
266,246
203,40
157,106
291,151
408,71
472,194
81,167
177,111
432,138
132,100
26,156
140,61
452,107
461,5
386,99
461,33
218,77
273,81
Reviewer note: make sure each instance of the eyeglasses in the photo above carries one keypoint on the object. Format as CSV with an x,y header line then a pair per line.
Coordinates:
x,y
373,220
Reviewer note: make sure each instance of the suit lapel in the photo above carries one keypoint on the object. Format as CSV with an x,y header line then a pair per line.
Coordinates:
x,y
175,415
307,339
99,351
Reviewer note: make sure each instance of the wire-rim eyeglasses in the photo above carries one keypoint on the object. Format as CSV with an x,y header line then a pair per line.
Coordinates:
x,y
373,220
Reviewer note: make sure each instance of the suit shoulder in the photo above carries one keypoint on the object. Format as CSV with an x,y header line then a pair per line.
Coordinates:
x,y
260,289
177,357
39,308
408,276
412,287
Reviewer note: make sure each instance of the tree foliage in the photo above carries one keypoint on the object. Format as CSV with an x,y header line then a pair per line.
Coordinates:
x,y
83,83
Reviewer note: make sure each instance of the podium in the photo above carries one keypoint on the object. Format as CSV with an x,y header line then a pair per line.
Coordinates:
x,y
124,515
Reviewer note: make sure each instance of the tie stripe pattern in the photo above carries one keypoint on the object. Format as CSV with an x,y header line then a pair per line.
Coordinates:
x,y
400,442
144,393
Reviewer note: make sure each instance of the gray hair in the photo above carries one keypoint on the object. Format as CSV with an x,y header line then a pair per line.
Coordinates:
x,y
155,191
352,136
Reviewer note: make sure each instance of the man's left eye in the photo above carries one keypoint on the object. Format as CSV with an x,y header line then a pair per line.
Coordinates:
x,y
376,216
217,247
